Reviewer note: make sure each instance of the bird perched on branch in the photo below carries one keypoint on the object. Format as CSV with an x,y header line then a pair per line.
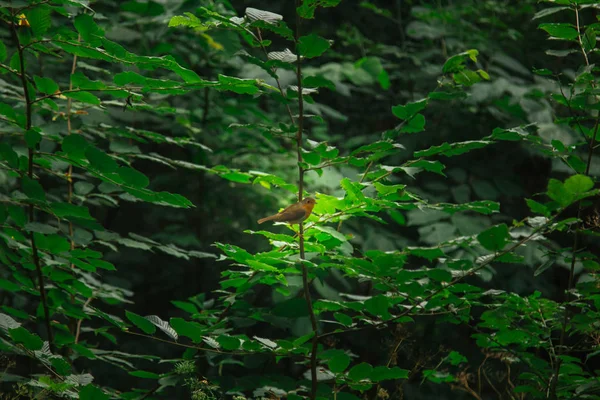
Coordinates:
x,y
293,214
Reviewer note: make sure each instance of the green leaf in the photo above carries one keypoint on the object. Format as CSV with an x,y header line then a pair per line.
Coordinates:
x,y
308,7
84,97
18,215
33,189
431,166
240,177
32,138
353,190
3,52
30,341
382,373
144,374
318,81
237,85
91,392
63,210
409,110
467,77
9,155
61,366
8,285
414,125
344,319
494,238
339,363
311,157
312,45
557,192
39,19
185,306
192,330
100,160
55,244
75,146
588,40
428,253
457,62
537,208
378,305
453,149
133,177
141,322
87,28
228,342
560,31
45,85
102,264
578,184
360,372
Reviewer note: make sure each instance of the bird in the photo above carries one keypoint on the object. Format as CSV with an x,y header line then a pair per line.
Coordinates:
x,y
293,214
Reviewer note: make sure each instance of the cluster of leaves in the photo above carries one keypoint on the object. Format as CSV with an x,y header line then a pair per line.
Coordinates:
x,y
303,303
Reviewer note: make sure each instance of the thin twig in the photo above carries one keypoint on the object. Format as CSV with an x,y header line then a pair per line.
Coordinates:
x,y
73,328
78,330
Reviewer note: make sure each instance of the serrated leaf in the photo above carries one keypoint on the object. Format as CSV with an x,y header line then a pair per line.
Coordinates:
x,y
255,14
339,363
560,30
360,372
39,20
378,305
308,7
133,177
33,189
141,322
64,210
144,374
163,326
190,329
100,160
312,45
29,340
91,392
75,146
45,85
409,110
494,238
382,373
84,97
578,184
32,138
87,28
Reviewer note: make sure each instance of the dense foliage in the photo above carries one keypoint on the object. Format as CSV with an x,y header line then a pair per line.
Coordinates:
x,y
453,252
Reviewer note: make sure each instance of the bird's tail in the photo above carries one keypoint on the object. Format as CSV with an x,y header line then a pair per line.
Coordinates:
x,y
272,217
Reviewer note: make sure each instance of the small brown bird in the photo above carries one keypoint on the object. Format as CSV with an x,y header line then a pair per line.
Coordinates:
x,y
293,214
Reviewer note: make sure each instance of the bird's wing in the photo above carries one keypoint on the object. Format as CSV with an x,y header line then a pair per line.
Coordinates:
x,y
288,208
291,214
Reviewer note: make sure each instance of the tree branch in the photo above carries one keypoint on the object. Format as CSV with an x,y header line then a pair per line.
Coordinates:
x,y
305,281
34,250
